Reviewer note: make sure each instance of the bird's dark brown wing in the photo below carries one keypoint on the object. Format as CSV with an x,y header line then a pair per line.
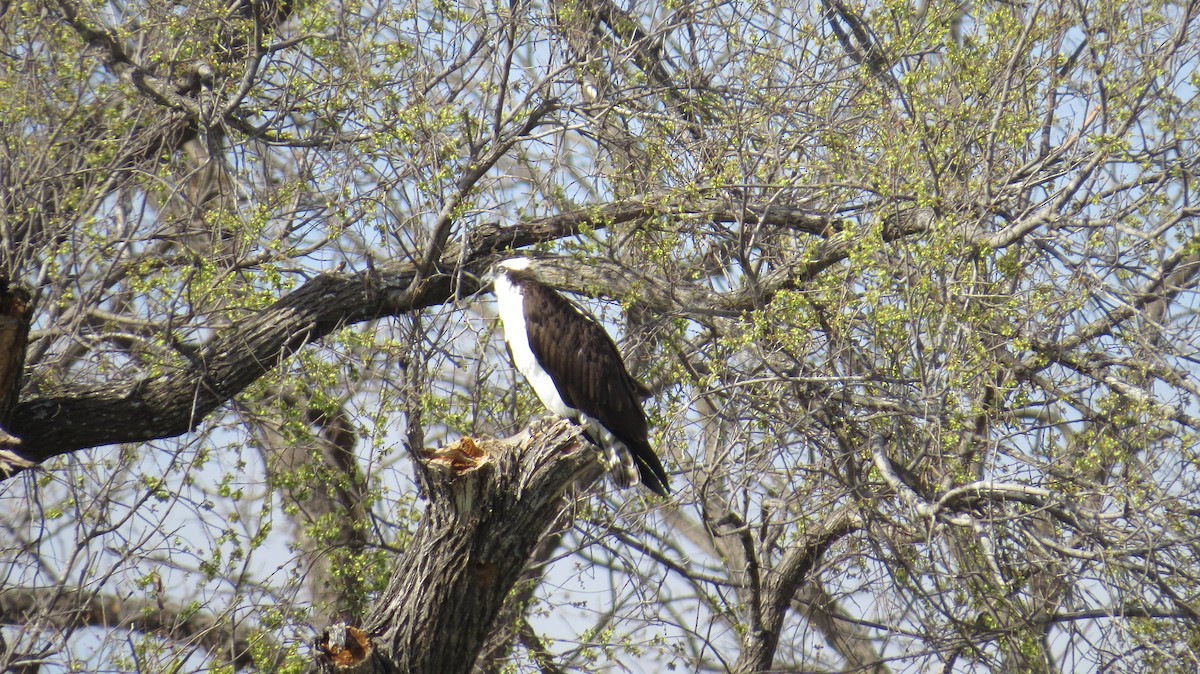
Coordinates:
x,y
589,373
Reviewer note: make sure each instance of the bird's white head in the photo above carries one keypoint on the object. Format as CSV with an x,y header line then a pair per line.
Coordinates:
x,y
514,264
510,274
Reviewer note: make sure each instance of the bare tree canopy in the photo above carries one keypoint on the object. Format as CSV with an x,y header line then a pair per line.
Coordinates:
x,y
914,285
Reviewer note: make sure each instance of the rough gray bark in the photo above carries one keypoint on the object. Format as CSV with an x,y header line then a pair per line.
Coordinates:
x,y
16,313
136,410
490,504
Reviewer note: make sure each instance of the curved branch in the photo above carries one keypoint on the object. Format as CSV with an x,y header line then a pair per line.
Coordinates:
x,y
759,645
115,56
493,238
67,609
135,410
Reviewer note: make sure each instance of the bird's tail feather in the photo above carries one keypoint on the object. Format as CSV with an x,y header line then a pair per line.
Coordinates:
x,y
653,475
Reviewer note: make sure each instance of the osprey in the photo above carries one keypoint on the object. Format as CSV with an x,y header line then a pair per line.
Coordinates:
x,y
576,371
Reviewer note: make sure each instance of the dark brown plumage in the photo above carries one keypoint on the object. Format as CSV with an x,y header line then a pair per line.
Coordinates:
x,y
588,372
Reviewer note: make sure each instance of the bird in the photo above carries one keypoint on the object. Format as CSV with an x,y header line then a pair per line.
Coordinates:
x,y
577,372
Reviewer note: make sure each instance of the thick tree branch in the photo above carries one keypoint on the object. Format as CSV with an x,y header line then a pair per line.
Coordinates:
x,y
159,407
494,238
490,505
151,408
136,410
512,623
16,314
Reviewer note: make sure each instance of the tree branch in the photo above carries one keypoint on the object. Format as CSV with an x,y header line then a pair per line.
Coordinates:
x,y
490,504
758,646
137,410
67,609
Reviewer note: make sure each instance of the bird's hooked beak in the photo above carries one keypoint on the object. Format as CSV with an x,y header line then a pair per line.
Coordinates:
x,y
487,279
478,279
468,285
480,283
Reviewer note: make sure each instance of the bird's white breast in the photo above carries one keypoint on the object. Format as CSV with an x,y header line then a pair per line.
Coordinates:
x,y
512,315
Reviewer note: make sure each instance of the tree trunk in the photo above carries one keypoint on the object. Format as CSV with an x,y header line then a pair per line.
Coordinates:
x,y
490,503
16,314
